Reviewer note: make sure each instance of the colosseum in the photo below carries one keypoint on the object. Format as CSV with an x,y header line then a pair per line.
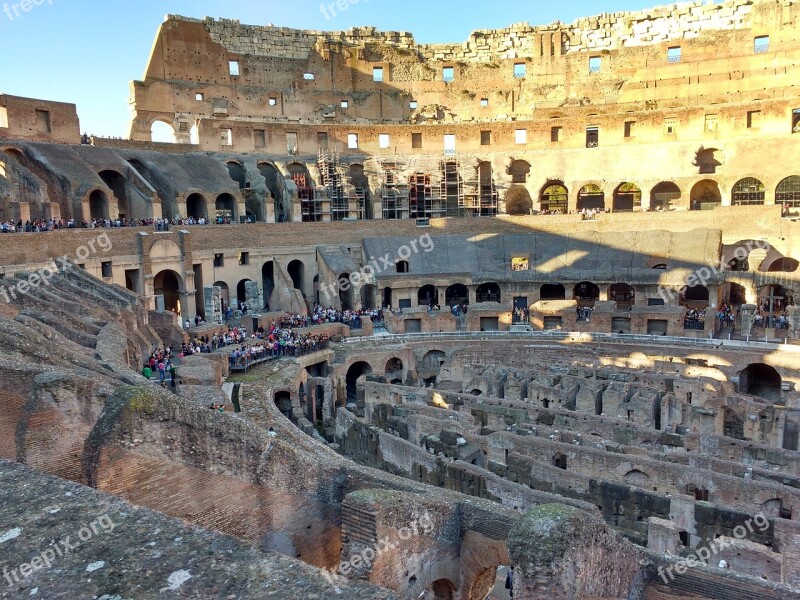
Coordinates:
x,y
569,370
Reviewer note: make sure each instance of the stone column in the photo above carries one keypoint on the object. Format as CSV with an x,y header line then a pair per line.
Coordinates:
x,y
794,321
747,311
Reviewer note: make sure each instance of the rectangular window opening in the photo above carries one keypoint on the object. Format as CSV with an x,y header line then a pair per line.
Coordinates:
x,y
520,263
520,69
260,138
753,119
352,141
670,126
761,44
43,121
233,68
272,101
377,73
448,74
795,120
345,103
484,102
291,144
629,127
107,269
449,144
226,136
486,138
3,117
244,258
199,97
674,54
384,141
592,137
413,105
416,140
712,122
219,260
555,134
322,140
521,136
595,62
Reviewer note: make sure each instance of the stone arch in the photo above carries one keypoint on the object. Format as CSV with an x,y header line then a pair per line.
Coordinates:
x,y
776,504
705,195
456,295
168,284
268,280
627,198
162,131
788,192
488,292
518,200
586,291
237,172
637,478
760,379
428,295
241,293
622,293
98,205
433,361
354,371
519,171
591,196
696,296
225,294
118,185
783,264
664,195
196,206
225,206
345,291
554,197
283,401
748,191
552,291
369,293
274,181
393,371
165,249
297,272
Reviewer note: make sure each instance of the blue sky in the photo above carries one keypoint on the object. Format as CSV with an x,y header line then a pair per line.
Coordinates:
x,y
87,51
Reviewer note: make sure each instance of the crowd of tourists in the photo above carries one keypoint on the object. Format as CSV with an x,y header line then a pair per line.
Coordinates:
x,y
521,315
206,345
585,313
276,342
160,364
695,319
159,224
726,315
320,315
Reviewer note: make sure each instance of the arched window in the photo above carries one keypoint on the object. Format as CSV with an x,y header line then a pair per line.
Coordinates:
x,y
788,192
748,191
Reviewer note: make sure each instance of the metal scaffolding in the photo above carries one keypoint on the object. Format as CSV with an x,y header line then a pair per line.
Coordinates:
x,y
334,198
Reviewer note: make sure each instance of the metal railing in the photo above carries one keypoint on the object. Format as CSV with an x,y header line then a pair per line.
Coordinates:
x,y
580,337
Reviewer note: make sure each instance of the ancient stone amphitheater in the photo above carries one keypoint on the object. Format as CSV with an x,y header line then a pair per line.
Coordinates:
x,y
578,353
